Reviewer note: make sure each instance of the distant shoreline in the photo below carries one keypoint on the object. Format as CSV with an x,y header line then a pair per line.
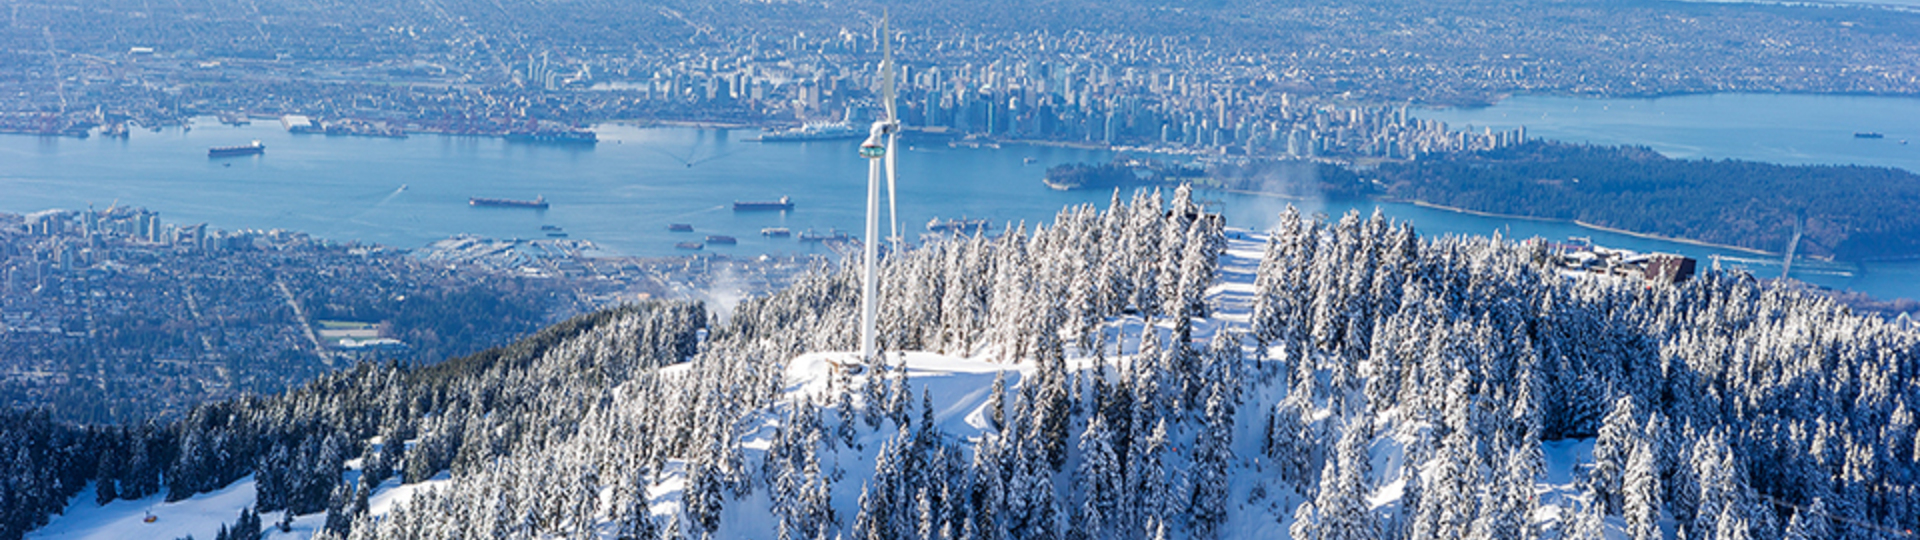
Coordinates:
x,y
1574,222
1496,99
1425,204
1584,225
1497,215
1688,241
1894,6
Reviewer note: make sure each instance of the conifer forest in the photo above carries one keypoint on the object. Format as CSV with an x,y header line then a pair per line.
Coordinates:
x,y
1134,372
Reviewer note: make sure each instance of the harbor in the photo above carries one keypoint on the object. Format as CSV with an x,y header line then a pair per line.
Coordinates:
x,y
626,195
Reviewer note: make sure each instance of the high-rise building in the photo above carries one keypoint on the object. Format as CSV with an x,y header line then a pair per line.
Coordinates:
x,y
1014,114
1112,131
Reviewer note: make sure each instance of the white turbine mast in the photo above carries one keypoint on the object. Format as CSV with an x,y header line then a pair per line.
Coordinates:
x,y
878,148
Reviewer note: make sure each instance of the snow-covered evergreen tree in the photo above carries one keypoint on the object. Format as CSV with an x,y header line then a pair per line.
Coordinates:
x,y
1642,494
1100,483
1731,408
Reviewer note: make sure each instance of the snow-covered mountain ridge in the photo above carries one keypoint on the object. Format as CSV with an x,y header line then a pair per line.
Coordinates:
x,y
1138,372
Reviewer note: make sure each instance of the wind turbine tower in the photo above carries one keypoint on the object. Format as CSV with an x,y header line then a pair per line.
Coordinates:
x,y
879,151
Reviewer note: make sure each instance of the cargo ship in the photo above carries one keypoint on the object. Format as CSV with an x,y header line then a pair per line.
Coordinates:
x,y
828,131
960,226
537,202
1868,135
553,136
776,232
242,150
831,236
785,203
688,245
721,239
679,227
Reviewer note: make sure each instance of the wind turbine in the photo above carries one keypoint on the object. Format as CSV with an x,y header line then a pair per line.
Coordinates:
x,y
875,151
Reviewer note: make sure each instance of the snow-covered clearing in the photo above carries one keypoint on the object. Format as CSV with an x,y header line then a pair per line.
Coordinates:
x,y
201,516
959,389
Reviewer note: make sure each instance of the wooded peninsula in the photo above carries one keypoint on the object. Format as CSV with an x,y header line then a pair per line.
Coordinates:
x,y
1845,212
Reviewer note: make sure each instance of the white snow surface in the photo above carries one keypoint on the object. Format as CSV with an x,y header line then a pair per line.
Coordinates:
x,y
201,516
1262,505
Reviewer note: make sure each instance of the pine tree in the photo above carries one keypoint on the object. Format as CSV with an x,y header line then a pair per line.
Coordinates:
x,y
1412,493
1732,525
703,497
1212,453
1587,523
106,471
1143,238
873,392
635,518
1306,523
339,510
1810,523
1266,313
1101,480
1053,405
1343,512
248,527
1031,503
989,495
1619,435
1642,495
1288,441
997,401
1507,507
899,394
1156,486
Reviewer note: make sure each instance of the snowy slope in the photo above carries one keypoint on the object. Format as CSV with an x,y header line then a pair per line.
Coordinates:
x,y
1263,505
1260,504
200,516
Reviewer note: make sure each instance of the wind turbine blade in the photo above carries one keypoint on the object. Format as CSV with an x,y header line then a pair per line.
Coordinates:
x,y
886,68
893,209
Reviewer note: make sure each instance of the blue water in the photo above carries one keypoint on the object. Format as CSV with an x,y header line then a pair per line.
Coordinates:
x,y
622,193
1774,128
1910,4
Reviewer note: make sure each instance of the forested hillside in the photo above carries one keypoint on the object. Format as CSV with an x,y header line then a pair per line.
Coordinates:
x,y
1851,212
1134,373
